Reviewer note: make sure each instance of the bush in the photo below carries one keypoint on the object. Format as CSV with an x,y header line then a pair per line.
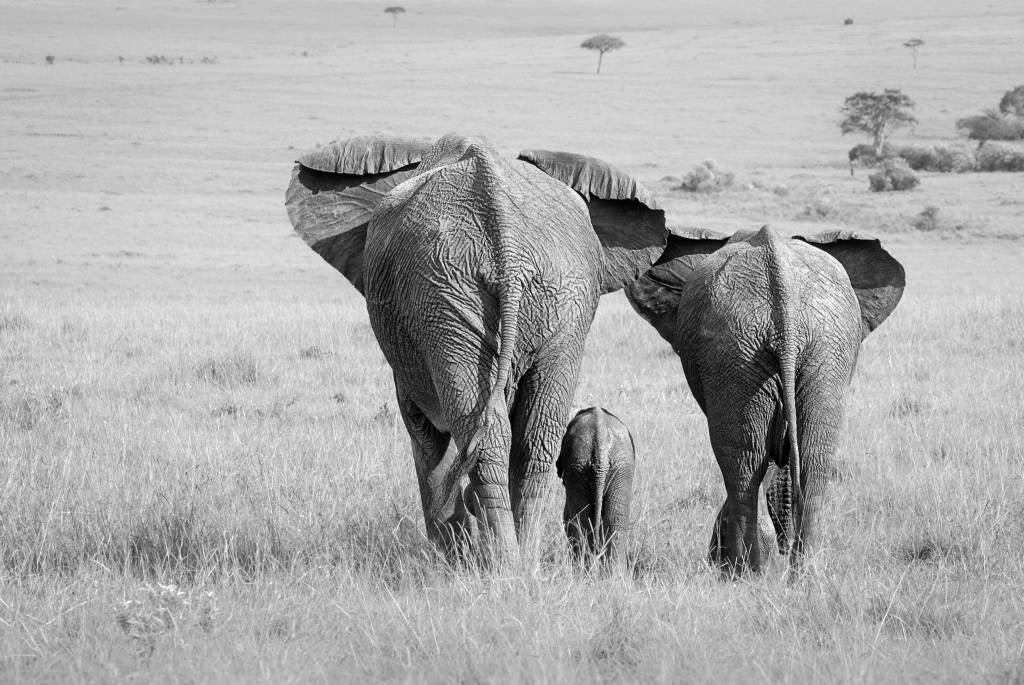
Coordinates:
x,y
918,157
864,155
937,158
706,177
894,175
992,125
957,160
1001,157
821,207
927,220
931,219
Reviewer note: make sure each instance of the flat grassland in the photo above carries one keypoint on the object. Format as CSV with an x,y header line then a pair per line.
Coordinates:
x,y
189,397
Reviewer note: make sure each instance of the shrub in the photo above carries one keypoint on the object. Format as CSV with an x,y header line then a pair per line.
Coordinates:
x,y
894,175
847,22
706,177
931,219
822,207
957,160
936,158
50,59
992,125
927,220
862,154
1001,157
918,157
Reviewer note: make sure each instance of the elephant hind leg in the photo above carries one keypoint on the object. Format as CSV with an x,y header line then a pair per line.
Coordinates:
x,y
738,428
484,443
735,546
820,417
539,419
488,479
443,512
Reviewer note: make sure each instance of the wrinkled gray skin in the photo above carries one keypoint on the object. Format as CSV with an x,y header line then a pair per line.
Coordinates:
x,y
596,466
767,541
768,330
481,276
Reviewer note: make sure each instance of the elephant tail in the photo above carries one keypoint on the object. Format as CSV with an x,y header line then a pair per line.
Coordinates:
x,y
508,309
786,351
509,286
787,375
600,463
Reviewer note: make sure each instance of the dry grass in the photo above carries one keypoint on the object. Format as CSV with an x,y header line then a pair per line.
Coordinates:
x,y
202,474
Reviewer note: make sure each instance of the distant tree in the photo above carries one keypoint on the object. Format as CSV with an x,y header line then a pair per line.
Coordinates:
x,y
602,43
877,114
49,59
992,125
914,44
847,22
394,11
1013,102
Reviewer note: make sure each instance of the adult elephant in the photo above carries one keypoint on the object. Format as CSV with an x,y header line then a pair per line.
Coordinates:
x,y
768,330
481,277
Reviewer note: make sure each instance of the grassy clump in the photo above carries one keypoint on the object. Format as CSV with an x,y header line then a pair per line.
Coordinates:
x,y
14,321
27,410
231,371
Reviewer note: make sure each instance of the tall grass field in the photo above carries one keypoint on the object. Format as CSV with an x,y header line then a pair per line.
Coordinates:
x,y
203,473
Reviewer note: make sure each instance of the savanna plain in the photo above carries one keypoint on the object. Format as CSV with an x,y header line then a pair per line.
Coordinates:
x,y
203,475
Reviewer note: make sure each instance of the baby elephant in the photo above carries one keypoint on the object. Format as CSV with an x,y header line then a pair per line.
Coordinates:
x,y
596,467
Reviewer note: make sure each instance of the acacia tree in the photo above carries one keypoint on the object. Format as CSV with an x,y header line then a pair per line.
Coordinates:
x,y
602,43
877,114
394,11
1013,102
914,44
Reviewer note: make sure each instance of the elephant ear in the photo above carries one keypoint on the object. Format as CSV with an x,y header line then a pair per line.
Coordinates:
x,y
624,214
877,278
335,188
655,295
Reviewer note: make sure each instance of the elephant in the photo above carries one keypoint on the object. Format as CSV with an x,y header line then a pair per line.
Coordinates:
x,y
768,330
596,465
481,276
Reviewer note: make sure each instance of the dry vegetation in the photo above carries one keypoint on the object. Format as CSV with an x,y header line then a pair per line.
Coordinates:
x,y
202,474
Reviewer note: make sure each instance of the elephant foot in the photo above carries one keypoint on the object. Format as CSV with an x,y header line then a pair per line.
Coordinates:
x,y
489,538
